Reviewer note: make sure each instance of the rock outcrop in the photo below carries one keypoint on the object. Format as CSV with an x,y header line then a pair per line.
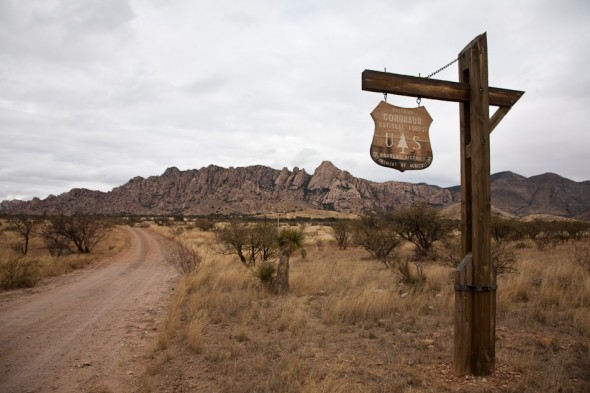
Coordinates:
x,y
262,190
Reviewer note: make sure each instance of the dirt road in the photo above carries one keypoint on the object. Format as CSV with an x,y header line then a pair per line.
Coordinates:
x,y
89,331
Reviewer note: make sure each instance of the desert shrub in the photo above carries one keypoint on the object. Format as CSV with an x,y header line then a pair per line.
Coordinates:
x,y
403,268
82,232
502,256
580,255
256,245
378,237
341,231
502,229
320,244
547,240
204,224
194,333
25,228
450,254
177,230
185,257
532,229
421,225
18,271
56,243
250,242
520,245
265,273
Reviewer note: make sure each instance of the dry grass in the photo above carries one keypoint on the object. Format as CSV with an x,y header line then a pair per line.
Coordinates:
x,y
48,266
350,325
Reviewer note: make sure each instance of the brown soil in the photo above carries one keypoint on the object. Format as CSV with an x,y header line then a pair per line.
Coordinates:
x,y
91,330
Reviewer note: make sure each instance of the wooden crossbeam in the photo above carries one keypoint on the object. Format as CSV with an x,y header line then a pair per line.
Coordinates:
x,y
436,89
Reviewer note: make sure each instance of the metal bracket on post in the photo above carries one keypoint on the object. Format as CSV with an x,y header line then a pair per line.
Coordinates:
x,y
475,288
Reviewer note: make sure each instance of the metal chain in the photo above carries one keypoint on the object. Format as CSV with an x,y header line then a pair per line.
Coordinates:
x,y
442,68
385,94
419,99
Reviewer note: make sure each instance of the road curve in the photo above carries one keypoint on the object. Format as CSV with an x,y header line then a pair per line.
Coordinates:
x,y
89,329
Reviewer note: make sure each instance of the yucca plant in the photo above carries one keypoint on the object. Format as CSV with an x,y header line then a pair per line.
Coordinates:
x,y
289,240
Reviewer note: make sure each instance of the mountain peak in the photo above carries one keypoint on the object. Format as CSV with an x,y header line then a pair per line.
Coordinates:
x,y
172,171
507,176
326,166
324,176
548,177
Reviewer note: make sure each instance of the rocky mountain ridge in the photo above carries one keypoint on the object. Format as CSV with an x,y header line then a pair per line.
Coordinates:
x,y
263,190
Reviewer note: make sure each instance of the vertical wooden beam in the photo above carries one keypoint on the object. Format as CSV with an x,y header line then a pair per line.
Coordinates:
x,y
463,316
464,273
475,309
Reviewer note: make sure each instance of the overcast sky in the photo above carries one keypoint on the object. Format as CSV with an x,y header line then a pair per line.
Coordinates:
x,y
95,92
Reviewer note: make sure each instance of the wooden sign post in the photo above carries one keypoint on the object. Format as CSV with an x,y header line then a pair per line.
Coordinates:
x,y
475,277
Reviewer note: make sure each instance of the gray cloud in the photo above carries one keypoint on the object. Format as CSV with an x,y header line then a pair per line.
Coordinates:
x,y
93,93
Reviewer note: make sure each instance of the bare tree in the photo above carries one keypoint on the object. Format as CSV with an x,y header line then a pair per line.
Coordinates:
x,y
254,243
85,232
502,257
250,242
341,231
56,243
421,225
377,236
24,227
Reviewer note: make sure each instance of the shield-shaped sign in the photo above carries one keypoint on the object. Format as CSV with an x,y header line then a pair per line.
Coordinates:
x,y
401,140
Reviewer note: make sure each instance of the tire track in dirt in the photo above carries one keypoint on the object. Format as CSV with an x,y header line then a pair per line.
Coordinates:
x,y
91,329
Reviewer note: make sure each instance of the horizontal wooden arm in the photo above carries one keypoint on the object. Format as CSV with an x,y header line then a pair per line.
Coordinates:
x,y
413,86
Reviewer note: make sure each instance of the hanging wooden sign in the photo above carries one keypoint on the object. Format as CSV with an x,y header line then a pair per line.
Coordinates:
x,y
401,140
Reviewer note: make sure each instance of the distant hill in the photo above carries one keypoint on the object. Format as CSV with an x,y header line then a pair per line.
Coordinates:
x,y
543,194
263,190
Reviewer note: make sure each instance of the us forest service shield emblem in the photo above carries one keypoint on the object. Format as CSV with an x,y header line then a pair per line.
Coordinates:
x,y
401,140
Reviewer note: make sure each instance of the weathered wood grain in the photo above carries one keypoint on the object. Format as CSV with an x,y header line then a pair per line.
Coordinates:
x,y
413,86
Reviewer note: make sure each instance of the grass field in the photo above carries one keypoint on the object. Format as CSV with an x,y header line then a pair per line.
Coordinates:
x,y
350,325
42,264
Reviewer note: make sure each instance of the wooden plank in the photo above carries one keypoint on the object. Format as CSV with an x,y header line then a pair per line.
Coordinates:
x,y
463,318
475,305
498,116
483,327
395,127
464,300
385,82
